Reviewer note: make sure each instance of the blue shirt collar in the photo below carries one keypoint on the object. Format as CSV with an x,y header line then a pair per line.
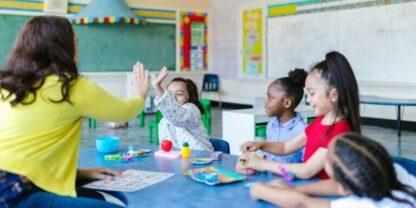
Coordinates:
x,y
289,124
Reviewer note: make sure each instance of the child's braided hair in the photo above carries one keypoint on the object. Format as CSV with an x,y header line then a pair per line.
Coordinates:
x,y
365,168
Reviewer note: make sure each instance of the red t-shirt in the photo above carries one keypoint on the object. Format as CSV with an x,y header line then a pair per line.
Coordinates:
x,y
317,136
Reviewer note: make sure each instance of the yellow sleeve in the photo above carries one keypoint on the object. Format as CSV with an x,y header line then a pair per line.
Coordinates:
x,y
92,101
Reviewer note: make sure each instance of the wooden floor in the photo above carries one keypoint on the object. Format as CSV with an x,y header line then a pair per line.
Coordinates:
x,y
138,136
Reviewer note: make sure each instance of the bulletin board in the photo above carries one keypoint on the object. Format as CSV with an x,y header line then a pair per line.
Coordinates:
x,y
193,41
252,42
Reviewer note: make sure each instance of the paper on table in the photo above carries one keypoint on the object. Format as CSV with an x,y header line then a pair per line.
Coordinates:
x,y
130,181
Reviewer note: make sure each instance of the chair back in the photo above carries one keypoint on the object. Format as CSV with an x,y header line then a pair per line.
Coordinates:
x,y
408,164
158,116
211,83
220,145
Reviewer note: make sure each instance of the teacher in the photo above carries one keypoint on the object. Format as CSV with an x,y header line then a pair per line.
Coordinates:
x,y
43,100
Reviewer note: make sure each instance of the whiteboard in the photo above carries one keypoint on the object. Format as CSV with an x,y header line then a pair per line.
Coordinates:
x,y
378,41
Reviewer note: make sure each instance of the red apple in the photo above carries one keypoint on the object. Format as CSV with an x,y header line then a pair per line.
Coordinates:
x,y
166,145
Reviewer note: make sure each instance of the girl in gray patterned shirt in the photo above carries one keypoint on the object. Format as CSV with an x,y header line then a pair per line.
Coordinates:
x,y
181,111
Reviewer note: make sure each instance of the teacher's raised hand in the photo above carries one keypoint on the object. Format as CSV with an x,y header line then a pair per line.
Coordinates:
x,y
140,83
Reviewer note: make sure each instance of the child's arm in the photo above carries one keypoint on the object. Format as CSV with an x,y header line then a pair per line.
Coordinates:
x,y
179,115
277,148
284,148
308,169
286,197
329,187
304,170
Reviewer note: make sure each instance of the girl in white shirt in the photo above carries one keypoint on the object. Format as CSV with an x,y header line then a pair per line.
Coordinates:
x,y
361,170
181,111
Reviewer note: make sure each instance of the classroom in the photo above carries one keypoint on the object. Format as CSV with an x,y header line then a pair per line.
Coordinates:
x,y
207,103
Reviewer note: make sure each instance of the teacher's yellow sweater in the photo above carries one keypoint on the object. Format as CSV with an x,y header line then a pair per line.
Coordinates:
x,y
41,140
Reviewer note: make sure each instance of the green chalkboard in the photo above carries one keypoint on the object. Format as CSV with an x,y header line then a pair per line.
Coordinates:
x,y
108,47
9,29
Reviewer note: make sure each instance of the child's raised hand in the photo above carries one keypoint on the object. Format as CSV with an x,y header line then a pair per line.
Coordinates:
x,y
140,83
157,80
250,146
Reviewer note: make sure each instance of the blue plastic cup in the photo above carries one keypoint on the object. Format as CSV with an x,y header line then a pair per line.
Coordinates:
x,y
107,144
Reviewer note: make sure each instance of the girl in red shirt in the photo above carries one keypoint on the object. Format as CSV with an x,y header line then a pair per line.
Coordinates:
x,y
333,93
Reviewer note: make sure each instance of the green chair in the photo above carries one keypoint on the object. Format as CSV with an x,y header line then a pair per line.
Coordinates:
x,y
141,119
261,131
153,129
206,117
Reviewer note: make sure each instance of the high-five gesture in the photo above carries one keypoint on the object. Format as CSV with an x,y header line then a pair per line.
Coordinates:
x,y
157,80
140,83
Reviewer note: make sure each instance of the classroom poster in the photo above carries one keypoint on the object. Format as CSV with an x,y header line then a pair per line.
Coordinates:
x,y
253,42
197,46
193,41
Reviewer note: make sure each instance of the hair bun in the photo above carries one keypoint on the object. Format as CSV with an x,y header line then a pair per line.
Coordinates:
x,y
298,76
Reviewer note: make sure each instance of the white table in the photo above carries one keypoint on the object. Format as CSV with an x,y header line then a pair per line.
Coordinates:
x,y
238,126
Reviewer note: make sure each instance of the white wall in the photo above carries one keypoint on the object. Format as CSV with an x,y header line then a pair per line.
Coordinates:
x,y
224,34
223,37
